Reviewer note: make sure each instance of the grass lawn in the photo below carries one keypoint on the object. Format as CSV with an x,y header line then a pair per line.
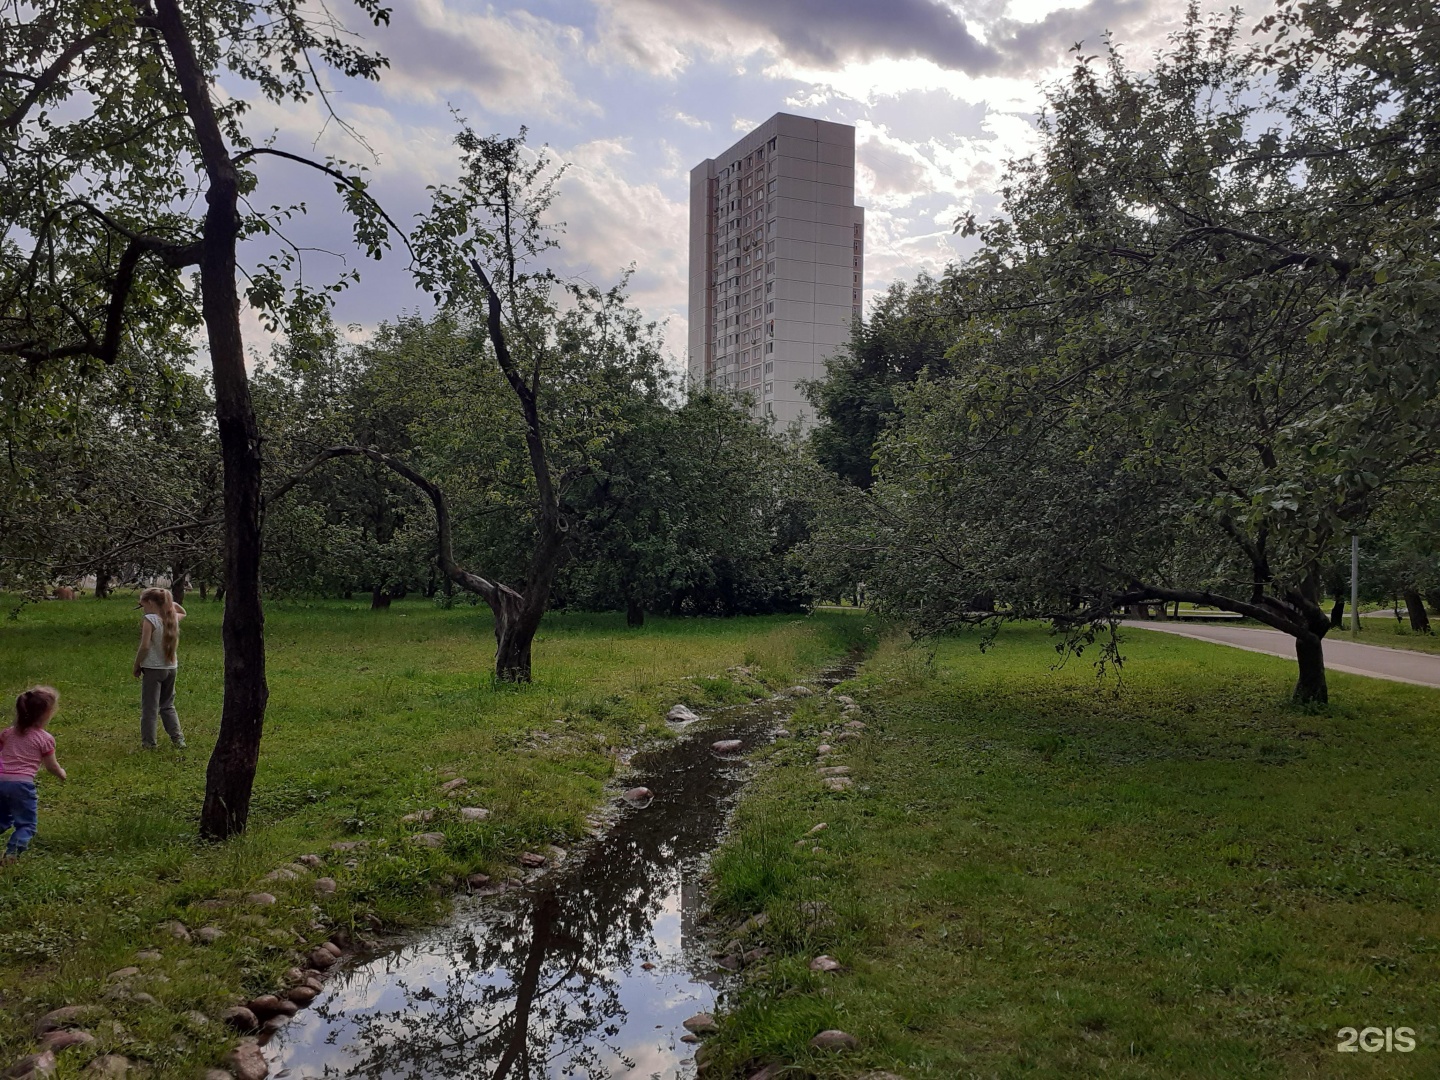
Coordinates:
x,y
1034,878
369,713
1396,635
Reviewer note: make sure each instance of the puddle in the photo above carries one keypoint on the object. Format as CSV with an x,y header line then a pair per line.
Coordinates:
x,y
551,981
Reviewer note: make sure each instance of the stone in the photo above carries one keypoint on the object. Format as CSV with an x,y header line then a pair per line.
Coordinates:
x,y
247,1062
834,1040
322,958
325,885
557,855
838,783
855,725
473,813
845,699
847,736
311,861
689,1038
283,873
647,966
32,1065
639,796
799,691
302,995
197,1019
772,1071
681,714
139,997
266,1005
782,733
208,935
428,839
123,973
834,770
824,963
824,748
418,816
212,905
347,845
754,922
56,1041
274,1024
880,1075
478,881
260,899
178,930
730,963
754,956
66,1016
147,954
532,860
701,1024
453,785
333,949
818,828
109,1065
726,746
240,1018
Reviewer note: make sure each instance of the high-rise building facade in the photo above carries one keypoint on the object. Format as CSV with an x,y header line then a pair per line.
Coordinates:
x,y
777,261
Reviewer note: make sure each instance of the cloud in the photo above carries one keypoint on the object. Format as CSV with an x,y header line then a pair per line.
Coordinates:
x,y
978,38
512,63
616,217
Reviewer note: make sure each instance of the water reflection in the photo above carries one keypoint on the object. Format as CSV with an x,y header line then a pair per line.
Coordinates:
x,y
589,976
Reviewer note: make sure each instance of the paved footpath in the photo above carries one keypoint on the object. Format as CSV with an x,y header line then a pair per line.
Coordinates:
x,y
1399,665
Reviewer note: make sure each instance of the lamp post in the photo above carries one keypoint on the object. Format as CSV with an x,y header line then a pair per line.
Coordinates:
x,y
1354,585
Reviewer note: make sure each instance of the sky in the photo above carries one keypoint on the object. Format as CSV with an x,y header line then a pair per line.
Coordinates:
x,y
633,93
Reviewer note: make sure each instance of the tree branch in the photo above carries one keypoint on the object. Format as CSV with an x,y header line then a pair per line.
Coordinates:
x,y
489,591
333,173
48,78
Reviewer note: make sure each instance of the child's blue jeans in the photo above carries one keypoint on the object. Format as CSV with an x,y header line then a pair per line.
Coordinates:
x,y
19,810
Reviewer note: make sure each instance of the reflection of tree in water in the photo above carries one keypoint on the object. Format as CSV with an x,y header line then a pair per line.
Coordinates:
x,y
537,990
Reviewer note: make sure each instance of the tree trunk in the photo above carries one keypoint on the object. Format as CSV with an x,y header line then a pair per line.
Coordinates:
x,y
634,613
202,590
178,580
1310,686
230,775
1433,599
517,618
1415,607
379,599
102,584
1337,613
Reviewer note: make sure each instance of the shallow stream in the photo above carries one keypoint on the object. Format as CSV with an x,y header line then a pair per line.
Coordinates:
x,y
588,972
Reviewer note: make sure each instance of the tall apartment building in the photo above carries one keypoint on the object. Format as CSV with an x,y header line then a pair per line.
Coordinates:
x,y
777,261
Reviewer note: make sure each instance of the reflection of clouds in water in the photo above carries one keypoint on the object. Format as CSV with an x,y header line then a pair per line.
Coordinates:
x,y
549,984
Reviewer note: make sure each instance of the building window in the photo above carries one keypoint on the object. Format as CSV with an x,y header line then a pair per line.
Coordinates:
x,y
769,346
772,144
769,367
770,307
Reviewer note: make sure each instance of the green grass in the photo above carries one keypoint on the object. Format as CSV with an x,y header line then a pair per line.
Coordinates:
x,y
1033,877
1395,635
369,711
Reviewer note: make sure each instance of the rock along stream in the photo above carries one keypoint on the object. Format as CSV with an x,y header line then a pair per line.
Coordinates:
x,y
586,973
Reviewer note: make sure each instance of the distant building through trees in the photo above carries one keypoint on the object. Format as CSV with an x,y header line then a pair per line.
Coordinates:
x,y
777,262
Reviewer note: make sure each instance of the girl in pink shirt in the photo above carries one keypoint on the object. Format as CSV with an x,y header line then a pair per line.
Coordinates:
x,y
24,750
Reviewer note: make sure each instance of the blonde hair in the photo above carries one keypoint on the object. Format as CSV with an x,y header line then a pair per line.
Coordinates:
x,y
169,621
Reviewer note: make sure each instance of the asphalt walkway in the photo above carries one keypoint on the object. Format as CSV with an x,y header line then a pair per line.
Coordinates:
x,y
1376,661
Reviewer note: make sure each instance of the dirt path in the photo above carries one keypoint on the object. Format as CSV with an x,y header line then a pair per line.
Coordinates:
x,y
1376,661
